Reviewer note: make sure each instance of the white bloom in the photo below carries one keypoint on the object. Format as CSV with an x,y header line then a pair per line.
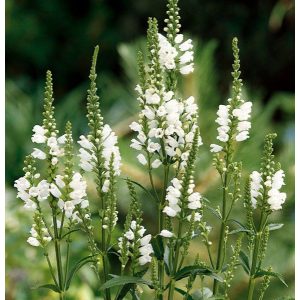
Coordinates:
x,y
144,259
197,217
255,186
185,70
242,136
62,139
187,45
166,233
43,190
33,241
276,199
54,190
178,38
68,208
105,186
278,180
215,148
129,235
39,154
22,184
39,134
152,147
135,126
141,158
156,163
85,143
146,250
30,205
59,181
169,211
145,240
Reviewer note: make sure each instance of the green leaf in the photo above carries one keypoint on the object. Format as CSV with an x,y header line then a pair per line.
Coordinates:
x,y
158,247
262,273
196,270
166,260
275,226
202,294
127,287
122,280
214,212
76,267
142,187
182,292
69,232
244,259
52,287
239,230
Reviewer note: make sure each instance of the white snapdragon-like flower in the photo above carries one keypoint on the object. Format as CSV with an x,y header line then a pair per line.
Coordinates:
x,y
224,120
35,240
276,198
181,52
166,233
109,149
39,136
135,234
39,154
255,187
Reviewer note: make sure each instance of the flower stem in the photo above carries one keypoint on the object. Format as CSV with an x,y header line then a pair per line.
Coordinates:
x,y
57,251
221,251
255,255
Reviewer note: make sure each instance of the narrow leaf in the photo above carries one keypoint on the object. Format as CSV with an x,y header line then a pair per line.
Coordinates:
x,y
76,267
262,273
52,287
275,226
244,261
122,280
184,293
158,247
196,270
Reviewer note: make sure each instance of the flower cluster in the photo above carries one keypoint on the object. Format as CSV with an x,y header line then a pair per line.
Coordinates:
x,y
134,238
37,239
52,144
273,184
109,149
75,197
167,122
181,53
255,187
174,195
233,117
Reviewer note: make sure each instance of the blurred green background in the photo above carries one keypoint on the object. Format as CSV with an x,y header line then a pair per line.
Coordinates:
x,y
60,36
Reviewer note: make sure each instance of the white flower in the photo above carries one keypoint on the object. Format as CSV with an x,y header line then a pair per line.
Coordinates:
x,y
62,139
166,233
242,136
105,186
278,180
179,38
54,190
156,163
30,205
68,208
129,235
276,199
187,45
255,186
85,143
39,134
152,147
43,190
59,181
39,154
215,148
54,161
144,259
22,184
33,241
146,250
145,240
135,126
197,217
169,211
141,158
243,113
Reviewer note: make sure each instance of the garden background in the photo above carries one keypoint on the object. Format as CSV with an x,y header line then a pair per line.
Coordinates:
x,y
60,36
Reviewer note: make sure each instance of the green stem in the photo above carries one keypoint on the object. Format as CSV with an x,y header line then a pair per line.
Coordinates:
x,y
51,269
255,255
177,248
57,251
221,252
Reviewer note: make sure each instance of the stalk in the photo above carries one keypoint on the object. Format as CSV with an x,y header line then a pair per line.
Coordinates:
x,y
221,251
58,254
172,282
258,236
